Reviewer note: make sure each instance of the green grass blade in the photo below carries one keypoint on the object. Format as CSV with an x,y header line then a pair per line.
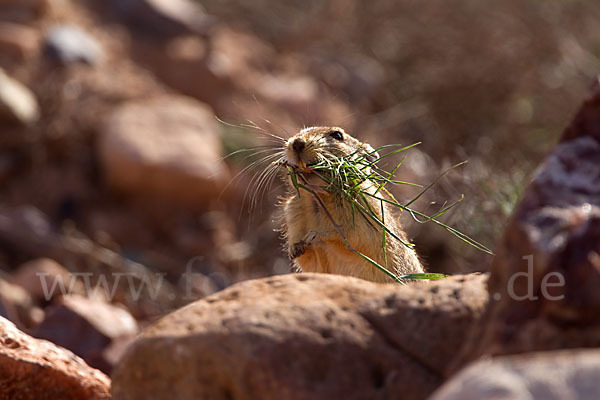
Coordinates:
x,y
434,182
424,275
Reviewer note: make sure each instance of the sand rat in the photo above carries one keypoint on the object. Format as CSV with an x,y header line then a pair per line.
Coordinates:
x,y
312,226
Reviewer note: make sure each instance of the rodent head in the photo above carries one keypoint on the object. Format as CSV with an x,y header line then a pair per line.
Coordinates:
x,y
311,145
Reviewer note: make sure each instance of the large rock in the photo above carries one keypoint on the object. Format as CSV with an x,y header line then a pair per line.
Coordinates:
x,y
37,369
87,327
166,147
546,274
304,336
17,102
553,375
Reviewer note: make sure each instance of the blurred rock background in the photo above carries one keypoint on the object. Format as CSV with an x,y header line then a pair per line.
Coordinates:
x,y
112,145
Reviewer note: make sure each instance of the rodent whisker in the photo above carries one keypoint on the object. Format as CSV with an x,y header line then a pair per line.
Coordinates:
x,y
262,130
350,198
255,163
259,150
277,125
260,183
278,139
263,184
266,159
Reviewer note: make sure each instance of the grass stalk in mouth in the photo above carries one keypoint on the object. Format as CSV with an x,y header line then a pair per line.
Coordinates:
x,y
356,178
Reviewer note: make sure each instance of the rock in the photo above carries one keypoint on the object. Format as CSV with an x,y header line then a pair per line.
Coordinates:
x,y
297,93
17,306
358,76
113,353
28,231
175,60
164,17
165,147
301,336
17,102
68,44
240,53
18,41
587,120
45,279
37,369
22,3
553,375
249,63
546,273
87,328
23,10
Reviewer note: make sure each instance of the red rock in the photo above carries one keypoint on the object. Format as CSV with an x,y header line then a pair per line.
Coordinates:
x,y
39,370
304,336
168,147
88,328
546,273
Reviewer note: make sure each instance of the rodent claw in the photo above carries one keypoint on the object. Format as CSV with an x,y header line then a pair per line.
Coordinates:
x,y
296,250
299,248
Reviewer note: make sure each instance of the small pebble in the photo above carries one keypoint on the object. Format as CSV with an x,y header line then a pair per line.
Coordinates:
x,y
68,44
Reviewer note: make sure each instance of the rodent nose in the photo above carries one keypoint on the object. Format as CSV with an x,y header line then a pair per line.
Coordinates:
x,y
298,145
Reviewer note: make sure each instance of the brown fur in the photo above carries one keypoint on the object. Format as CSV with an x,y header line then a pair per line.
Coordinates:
x,y
312,240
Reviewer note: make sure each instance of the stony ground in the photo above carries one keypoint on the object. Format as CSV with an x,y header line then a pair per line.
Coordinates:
x,y
115,122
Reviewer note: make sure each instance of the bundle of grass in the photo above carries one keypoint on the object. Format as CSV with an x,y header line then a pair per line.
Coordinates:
x,y
358,180
338,196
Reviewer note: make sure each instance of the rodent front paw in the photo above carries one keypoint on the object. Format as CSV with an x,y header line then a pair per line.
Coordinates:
x,y
296,250
299,248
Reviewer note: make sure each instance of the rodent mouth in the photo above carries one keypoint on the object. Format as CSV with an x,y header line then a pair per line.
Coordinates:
x,y
300,166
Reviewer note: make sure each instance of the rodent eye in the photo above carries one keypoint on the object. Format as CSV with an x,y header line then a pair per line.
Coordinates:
x,y
337,135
